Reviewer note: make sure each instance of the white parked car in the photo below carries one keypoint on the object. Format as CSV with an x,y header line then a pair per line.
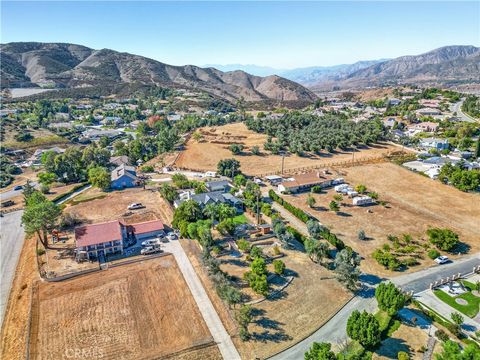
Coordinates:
x,y
150,242
135,206
442,259
150,250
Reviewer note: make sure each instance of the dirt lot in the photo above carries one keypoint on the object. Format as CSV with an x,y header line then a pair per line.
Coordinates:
x,y
205,155
415,203
15,328
113,205
408,339
302,307
136,311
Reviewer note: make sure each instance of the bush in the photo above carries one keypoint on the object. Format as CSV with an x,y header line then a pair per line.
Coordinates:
x,y
441,335
40,252
443,239
316,189
433,254
243,245
279,266
361,235
45,189
402,355
148,169
385,258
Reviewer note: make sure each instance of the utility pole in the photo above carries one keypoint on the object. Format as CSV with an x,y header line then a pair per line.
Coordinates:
x,y
258,210
283,161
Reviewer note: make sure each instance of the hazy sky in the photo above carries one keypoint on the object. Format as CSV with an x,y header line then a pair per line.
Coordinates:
x,y
277,34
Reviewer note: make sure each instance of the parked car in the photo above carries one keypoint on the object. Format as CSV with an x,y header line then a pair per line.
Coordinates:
x,y
18,187
150,242
150,250
135,206
171,236
442,259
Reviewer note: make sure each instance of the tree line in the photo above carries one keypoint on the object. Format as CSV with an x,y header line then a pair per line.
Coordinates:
x,y
299,132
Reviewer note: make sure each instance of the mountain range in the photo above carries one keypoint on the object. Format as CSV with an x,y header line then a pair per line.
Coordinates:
x,y
76,66
449,64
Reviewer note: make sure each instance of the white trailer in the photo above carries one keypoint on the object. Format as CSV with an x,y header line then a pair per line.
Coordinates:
x,y
338,181
362,200
340,188
352,194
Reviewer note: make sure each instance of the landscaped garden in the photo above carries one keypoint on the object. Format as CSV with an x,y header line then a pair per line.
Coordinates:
x,y
467,303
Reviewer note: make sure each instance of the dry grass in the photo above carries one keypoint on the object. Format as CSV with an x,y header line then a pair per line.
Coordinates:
x,y
408,339
15,324
114,206
137,311
415,203
303,306
205,155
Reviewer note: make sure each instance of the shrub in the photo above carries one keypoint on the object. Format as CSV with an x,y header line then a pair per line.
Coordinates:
x,y
45,189
276,250
441,335
443,239
386,259
402,355
40,252
243,245
361,235
316,189
433,254
148,169
279,266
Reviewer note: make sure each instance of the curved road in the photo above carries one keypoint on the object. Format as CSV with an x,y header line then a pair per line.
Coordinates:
x,y
334,330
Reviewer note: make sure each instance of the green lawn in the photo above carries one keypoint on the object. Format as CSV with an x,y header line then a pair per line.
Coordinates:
x,y
240,219
471,309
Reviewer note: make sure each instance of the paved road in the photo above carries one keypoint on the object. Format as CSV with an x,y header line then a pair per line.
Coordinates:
x,y
334,330
12,193
11,242
421,280
457,107
12,237
214,324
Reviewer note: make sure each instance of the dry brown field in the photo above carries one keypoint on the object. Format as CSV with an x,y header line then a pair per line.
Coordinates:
x,y
205,155
407,338
302,307
113,205
136,311
414,203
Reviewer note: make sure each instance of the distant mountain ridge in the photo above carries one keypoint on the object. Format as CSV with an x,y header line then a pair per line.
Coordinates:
x,y
76,66
445,65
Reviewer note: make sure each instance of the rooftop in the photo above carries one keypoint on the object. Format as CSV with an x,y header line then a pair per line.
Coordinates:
x,y
98,233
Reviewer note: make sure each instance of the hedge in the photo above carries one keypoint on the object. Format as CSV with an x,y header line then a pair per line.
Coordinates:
x,y
298,213
303,216
70,192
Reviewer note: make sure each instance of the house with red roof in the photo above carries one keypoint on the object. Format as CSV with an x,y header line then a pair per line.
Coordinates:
x,y
110,237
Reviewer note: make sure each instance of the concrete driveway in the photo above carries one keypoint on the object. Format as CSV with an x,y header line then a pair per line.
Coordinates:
x,y
11,243
214,324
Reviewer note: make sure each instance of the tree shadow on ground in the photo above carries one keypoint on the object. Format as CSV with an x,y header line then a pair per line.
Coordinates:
x,y
461,248
391,347
343,214
235,262
272,329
